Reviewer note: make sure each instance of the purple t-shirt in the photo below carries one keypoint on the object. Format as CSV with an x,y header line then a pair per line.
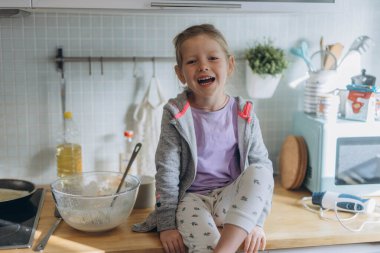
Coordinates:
x,y
217,147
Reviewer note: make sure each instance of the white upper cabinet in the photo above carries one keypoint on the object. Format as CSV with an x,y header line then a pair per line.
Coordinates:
x,y
292,6
198,5
15,3
92,4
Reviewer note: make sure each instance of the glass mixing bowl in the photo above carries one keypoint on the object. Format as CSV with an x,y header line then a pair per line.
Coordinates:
x,y
88,201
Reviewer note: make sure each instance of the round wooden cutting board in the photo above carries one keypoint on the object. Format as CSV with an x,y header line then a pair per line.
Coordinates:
x,y
293,162
303,162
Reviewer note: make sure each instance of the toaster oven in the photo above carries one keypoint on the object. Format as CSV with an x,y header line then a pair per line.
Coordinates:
x,y
343,156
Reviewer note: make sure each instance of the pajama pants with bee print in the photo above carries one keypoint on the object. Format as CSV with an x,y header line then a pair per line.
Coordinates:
x,y
240,203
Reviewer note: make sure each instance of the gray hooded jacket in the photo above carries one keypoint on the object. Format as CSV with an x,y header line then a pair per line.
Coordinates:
x,y
176,158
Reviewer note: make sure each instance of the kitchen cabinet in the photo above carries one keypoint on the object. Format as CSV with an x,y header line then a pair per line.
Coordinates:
x,y
15,3
160,5
262,6
92,4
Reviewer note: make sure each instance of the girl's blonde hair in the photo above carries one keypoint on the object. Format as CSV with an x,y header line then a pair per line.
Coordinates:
x,y
193,31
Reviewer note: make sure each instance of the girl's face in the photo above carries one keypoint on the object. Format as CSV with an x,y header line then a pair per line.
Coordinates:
x,y
205,67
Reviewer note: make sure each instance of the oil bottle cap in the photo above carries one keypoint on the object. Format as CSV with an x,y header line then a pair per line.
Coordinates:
x,y
128,134
68,115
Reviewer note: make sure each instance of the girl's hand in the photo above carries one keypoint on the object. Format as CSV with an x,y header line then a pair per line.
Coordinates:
x,y
255,240
172,241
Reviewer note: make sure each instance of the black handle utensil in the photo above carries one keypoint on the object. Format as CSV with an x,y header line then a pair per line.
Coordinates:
x,y
41,245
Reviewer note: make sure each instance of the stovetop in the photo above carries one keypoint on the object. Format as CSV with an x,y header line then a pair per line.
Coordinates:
x,y
18,223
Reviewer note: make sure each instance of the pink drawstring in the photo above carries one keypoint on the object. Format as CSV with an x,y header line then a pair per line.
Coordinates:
x,y
181,113
245,114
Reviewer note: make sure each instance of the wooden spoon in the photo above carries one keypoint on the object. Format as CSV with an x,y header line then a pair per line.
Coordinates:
x,y
336,49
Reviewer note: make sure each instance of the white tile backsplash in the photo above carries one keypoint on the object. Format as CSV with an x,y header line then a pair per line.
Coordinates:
x,y
103,104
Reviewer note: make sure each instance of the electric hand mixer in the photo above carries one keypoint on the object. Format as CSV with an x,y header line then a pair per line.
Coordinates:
x,y
343,202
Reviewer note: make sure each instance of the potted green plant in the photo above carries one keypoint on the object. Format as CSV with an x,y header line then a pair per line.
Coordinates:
x,y
264,68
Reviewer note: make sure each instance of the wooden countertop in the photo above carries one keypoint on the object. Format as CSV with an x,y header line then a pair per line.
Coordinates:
x,y
288,226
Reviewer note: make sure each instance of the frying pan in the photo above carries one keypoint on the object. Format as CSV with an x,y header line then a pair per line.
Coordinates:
x,y
20,185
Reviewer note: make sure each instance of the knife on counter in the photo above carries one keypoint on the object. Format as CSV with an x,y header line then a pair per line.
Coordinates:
x,y
41,245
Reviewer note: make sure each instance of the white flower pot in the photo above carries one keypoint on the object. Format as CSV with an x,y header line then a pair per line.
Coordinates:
x,y
260,86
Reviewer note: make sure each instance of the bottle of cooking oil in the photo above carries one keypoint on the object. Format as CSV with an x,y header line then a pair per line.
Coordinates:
x,y
69,151
126,152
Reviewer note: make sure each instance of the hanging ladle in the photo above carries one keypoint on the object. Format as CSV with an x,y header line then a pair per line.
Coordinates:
x,y
133,156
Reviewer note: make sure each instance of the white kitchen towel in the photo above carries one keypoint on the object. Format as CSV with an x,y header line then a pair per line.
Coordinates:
x,y
148,116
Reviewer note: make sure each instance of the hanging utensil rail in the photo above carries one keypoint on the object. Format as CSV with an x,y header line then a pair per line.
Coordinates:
x,y
60,60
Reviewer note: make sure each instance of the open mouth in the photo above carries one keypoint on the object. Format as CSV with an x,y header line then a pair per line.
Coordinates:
x,y
206,80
